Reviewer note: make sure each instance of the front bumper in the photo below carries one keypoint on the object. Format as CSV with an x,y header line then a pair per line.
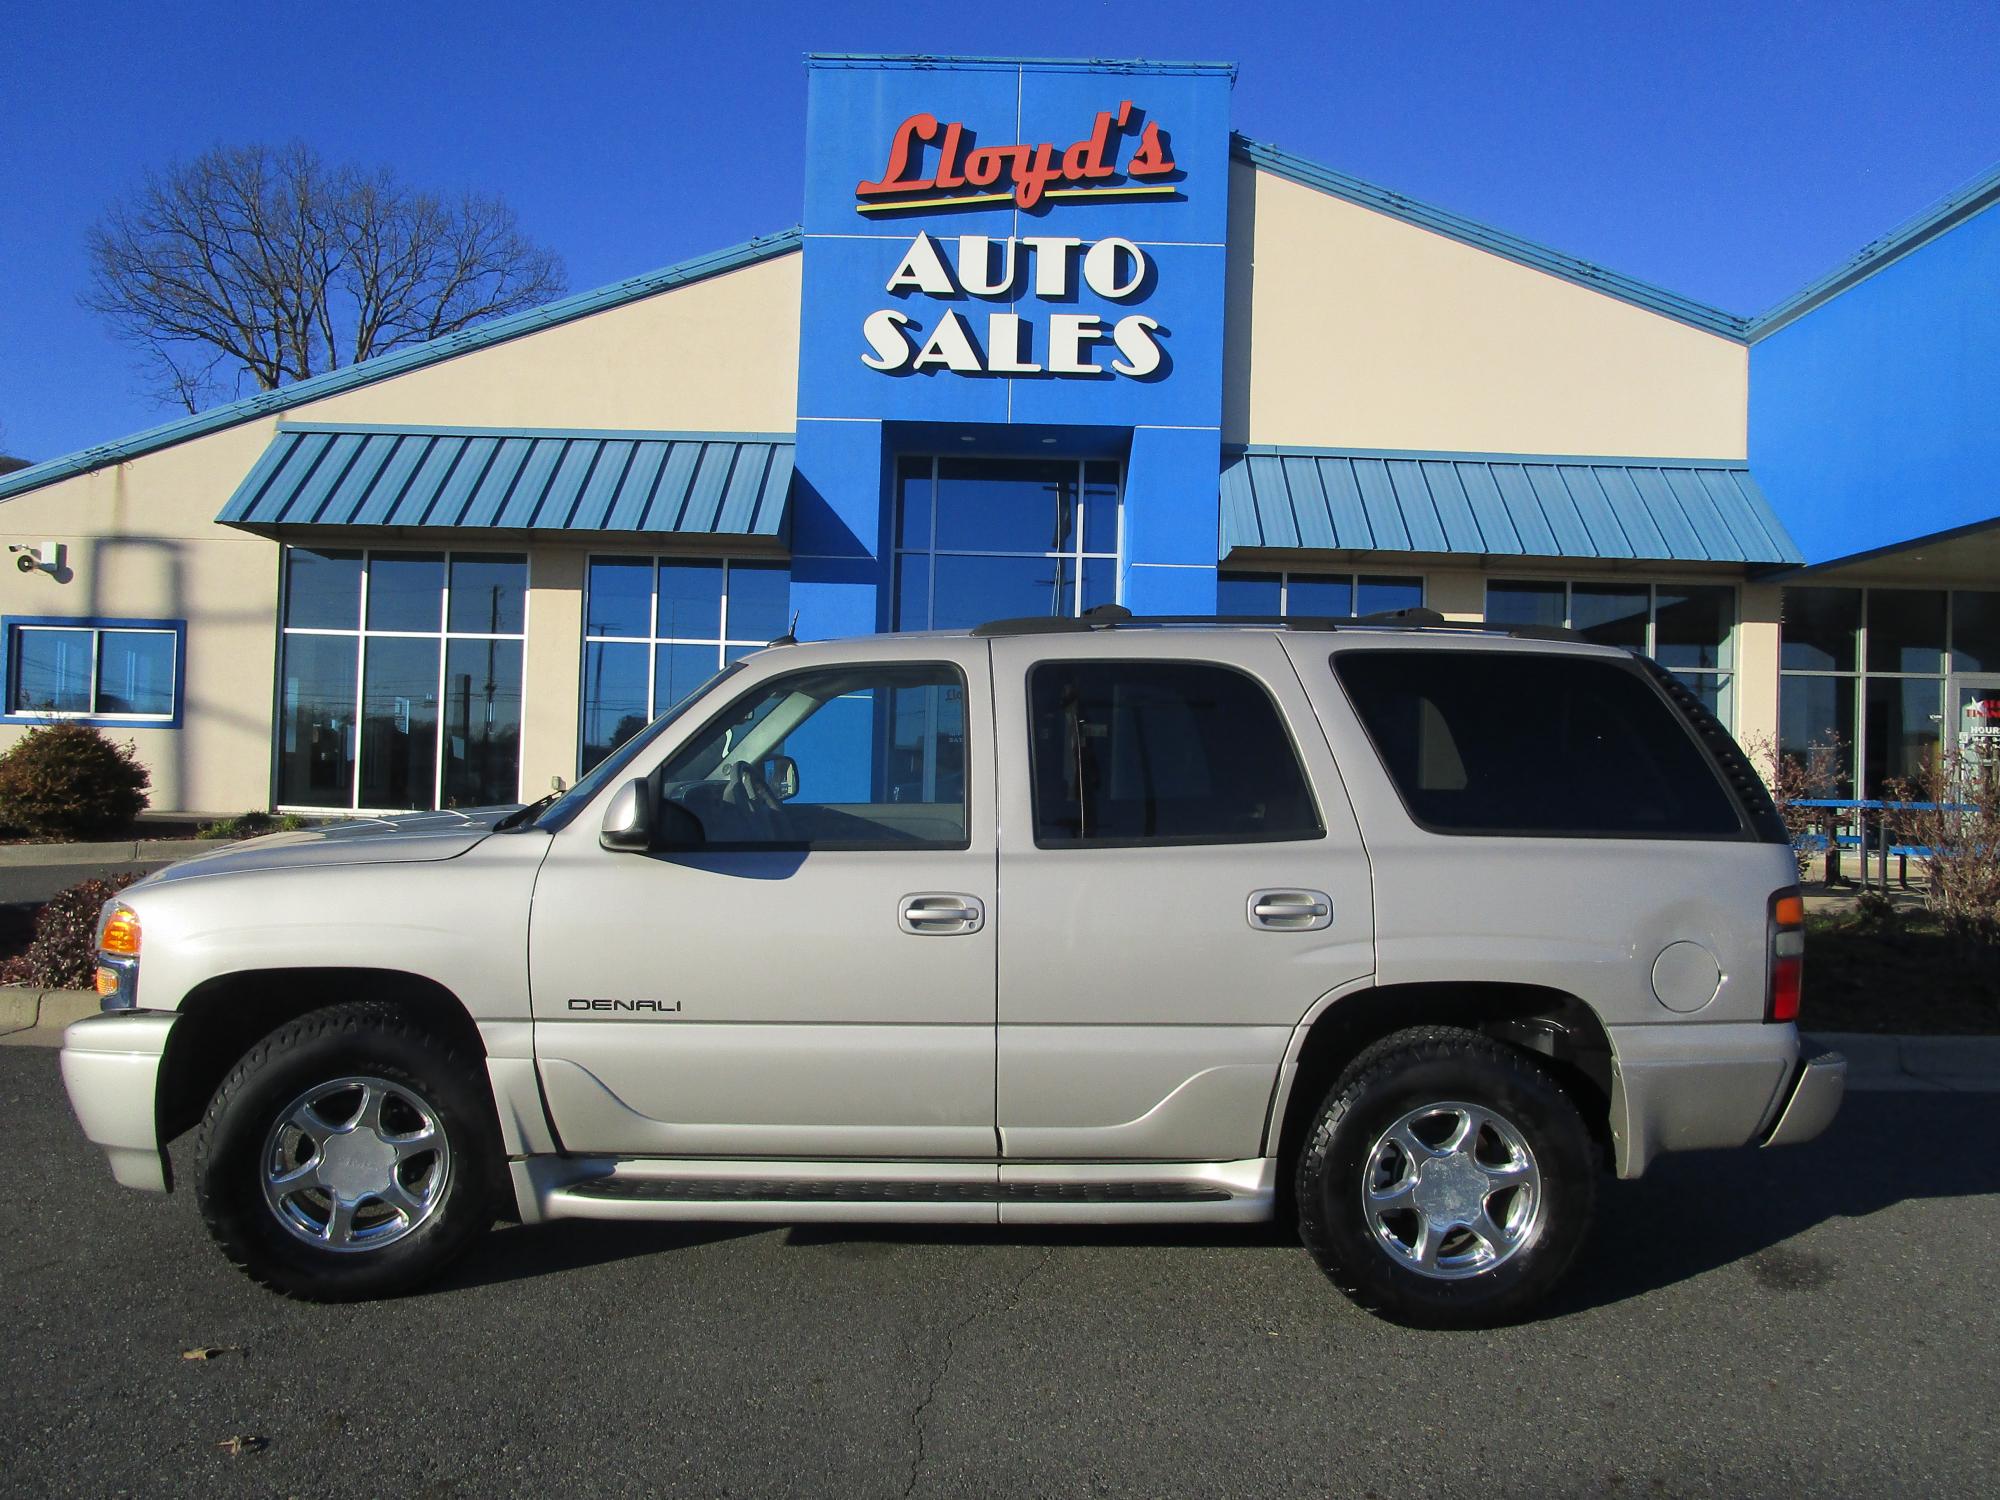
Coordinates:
x,y
111,1067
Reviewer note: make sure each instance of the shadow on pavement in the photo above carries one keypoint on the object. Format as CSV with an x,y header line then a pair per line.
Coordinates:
x,y
1688,1216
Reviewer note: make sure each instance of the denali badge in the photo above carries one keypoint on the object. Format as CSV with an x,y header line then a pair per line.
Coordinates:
x,y
658,1007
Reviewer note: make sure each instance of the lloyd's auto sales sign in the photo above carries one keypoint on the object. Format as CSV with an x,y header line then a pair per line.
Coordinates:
x,y
934,166
1002,241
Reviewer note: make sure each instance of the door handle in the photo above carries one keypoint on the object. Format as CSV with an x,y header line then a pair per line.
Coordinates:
x,y
940,913
1290,910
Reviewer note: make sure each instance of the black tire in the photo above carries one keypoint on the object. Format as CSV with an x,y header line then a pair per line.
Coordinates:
x,y
366,1040
1406,1073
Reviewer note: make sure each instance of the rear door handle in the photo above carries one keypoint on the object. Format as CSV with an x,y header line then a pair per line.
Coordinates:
x,y
1290,910
940,913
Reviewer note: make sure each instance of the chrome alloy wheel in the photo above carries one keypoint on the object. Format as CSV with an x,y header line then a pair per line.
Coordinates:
x,y
355,1164
1451,1190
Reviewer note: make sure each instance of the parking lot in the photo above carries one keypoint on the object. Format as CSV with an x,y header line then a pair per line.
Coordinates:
x,y
1813,1321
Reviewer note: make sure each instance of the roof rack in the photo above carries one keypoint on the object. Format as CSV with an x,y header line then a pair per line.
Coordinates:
x,y
1117,616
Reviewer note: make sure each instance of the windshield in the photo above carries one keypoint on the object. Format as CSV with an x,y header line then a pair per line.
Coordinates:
x,y
570,803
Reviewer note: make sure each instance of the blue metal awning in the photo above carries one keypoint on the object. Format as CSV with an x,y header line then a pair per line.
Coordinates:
x,y
1669,510
712,484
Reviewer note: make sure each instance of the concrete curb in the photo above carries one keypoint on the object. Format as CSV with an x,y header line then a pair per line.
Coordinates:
x,y
1917,1064
28,1008
112,852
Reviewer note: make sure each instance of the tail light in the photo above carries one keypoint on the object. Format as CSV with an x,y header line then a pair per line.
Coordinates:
x,y
1788,955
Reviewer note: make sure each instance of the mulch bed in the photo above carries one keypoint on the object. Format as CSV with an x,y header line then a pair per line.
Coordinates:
x,y
1901,974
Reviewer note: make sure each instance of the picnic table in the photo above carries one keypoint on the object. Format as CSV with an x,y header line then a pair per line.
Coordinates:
x,y
1834,840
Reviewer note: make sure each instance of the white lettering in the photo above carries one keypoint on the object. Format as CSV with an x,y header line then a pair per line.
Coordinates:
x,y
1051,254
1068,333
1100,268
975,266
1004,354
950,346
1135,341
884,332
922,269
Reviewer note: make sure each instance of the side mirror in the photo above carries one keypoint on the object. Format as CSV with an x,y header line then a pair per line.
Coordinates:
x,y
628,821
781,775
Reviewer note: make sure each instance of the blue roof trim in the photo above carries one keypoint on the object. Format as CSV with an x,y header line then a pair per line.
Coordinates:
x,y
920,60
735,484
1913,233
402,361
1498,505
1485,237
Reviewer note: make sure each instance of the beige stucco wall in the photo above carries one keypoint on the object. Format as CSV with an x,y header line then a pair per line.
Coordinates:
x,y
142,541
1349,328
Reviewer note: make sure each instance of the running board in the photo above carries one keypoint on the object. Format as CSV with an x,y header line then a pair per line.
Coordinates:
x,y
552,1187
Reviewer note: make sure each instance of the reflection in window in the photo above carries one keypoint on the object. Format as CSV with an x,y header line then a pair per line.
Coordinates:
x,y
658,628
419,707
983,539
123,672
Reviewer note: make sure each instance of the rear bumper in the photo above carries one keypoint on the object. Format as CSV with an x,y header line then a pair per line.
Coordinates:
x,y
1680,1087
111,1067
1815,1099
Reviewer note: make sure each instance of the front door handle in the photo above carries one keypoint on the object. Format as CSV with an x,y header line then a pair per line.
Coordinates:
x,y
1290,911
940,913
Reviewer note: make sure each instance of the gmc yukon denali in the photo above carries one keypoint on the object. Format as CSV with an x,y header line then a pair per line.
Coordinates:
x,y
1404,932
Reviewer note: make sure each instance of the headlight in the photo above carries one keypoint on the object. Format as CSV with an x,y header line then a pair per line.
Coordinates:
x,y
118,957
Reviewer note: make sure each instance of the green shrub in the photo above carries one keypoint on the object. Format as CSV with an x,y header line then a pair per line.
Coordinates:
x,y
252,824
63,955
67,781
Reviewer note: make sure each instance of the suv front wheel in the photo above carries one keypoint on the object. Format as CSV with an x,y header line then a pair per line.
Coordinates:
x,y
347,1155
1447,1180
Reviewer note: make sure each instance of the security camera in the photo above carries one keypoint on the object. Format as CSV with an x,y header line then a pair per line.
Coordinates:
x,y
47,558
27,562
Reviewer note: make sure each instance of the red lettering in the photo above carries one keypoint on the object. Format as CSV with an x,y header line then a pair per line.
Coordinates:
x,y
910,136
947,173
1030,177
1151,159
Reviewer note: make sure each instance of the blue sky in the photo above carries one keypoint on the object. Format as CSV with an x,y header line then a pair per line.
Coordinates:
x,y
1730,152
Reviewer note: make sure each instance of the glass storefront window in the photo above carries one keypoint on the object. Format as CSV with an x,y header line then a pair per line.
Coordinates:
x,y
1335,595
400,679
1905,630
982,539
98,669
1689,628
1816,731
1820,629
1900,731
659,628
1975,631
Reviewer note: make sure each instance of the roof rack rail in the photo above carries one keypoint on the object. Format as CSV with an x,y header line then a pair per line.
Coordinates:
x,y
1113,616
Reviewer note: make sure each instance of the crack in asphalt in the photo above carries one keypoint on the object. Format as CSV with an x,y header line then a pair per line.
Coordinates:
x,y
951,1348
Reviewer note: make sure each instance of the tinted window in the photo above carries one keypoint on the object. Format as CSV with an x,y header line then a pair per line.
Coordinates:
x,y
1161,752
866,757
1485,742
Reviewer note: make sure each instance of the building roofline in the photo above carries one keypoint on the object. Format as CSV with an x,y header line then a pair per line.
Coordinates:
x,y
920,60
1485,237
401,361
1879,254
1451,455
1890,549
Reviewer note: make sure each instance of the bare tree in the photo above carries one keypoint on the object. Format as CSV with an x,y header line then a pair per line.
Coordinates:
x,y
270,265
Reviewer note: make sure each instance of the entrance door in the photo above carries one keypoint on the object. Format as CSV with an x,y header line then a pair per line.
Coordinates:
x,y
1974,704
816,977
1184,881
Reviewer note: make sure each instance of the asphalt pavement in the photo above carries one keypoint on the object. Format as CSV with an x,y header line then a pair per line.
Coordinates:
x,y
1818,1320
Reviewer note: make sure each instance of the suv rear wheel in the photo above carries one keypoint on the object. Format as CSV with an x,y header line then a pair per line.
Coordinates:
x,y
347,1155
1447,1180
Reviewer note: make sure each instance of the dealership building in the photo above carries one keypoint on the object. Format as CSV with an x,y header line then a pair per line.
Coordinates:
x,y
1050,336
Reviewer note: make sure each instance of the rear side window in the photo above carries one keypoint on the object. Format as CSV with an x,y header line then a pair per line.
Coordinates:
x,y
1491,742
1154,752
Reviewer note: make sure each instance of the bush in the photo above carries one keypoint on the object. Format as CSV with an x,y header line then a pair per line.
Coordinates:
x,y
67,781
252,824
1958,820
1819,776
63,955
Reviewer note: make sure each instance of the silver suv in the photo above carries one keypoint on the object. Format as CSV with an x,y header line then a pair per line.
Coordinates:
x,y
1405,932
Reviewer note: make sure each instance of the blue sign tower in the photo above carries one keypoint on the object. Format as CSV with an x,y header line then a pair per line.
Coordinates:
x,y
1010,259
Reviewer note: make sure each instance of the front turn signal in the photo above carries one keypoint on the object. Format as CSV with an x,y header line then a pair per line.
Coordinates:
x,y
120,933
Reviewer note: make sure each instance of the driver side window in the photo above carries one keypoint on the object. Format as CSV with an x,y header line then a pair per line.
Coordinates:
x,y
850,757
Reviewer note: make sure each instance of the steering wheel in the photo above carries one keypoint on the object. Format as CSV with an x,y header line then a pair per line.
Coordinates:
x,y
753,805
